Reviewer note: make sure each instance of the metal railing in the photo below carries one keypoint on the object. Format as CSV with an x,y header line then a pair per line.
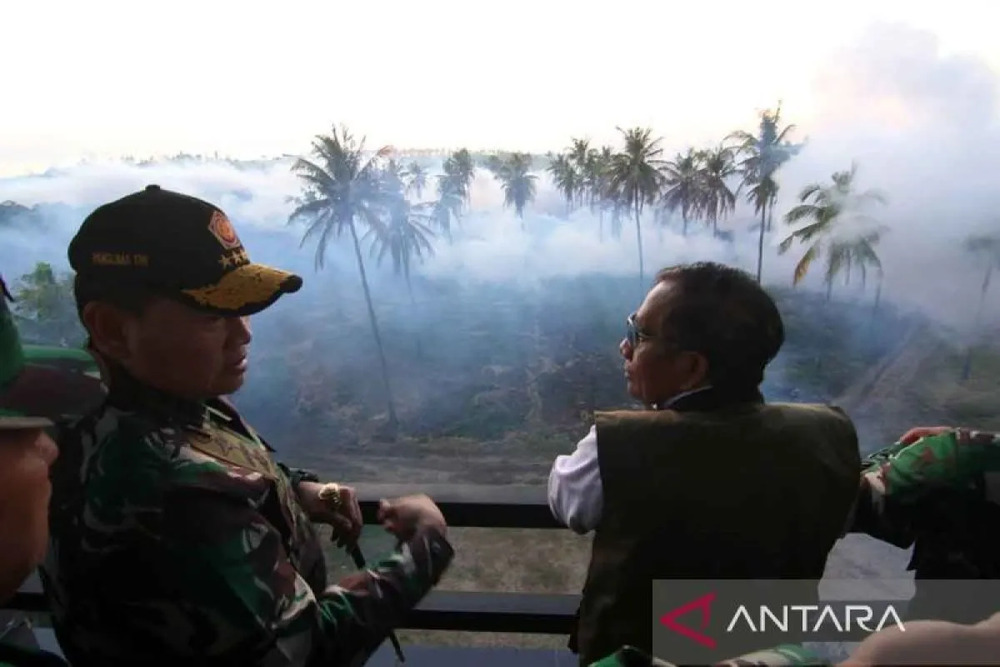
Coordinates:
x,y
463,507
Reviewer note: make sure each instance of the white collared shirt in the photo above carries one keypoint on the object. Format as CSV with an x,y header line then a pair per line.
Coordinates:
x,y
576,494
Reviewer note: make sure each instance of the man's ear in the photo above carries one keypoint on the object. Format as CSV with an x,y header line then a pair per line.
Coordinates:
x,y
108,330
696,370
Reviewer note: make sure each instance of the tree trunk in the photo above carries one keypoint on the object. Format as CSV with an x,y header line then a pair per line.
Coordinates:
x,y
684,219
878,298
413,303
600,225
829,288
393,420
638,238
760,241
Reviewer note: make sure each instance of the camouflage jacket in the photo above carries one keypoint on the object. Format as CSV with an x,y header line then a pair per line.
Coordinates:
x,y
940,494
176,539
786,655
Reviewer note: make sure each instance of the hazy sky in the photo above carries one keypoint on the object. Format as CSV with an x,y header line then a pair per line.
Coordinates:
x,y
103,78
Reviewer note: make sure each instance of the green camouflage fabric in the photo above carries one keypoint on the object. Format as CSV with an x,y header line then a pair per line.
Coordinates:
x,y
785,655
940,495
940,485
176,538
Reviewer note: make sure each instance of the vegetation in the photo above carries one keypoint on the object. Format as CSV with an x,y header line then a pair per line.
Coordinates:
x,y
44,308
827,210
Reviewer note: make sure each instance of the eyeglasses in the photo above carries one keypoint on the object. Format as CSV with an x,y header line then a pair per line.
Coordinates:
x,y
633,334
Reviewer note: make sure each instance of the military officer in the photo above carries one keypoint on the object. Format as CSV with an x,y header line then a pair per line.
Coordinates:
x,y
176,538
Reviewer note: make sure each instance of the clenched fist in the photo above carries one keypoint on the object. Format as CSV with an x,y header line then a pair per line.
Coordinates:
x,y
404,516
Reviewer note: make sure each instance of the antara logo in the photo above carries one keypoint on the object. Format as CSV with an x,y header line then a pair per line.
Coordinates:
x,y
841,618
847,618
704,603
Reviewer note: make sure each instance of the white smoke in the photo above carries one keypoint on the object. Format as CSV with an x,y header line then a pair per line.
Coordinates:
x,y
921,126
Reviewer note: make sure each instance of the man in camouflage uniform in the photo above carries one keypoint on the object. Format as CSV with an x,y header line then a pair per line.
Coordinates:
x,y
26,453
938,489
176,538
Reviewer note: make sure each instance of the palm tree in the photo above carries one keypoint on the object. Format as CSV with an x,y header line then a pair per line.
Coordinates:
x,y
416,179
596,178
717,166
401,231
448,205
460,170
635,176
682,186
579,156
829,209
341,190
762,155
519,186
565,178
987,248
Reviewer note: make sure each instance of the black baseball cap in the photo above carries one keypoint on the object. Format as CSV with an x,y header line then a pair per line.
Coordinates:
x,y
178,246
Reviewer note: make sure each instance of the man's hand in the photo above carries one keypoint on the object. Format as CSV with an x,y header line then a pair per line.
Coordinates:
x,y
403,516
337,507
919,432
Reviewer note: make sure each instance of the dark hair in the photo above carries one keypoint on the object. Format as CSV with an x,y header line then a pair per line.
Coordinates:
x,y
724,314
130,297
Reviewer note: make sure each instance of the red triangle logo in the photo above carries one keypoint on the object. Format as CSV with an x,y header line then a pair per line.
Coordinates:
x,y
704,603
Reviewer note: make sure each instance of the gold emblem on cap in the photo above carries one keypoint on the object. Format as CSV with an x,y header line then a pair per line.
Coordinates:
x,y
250,283
223,230
234,258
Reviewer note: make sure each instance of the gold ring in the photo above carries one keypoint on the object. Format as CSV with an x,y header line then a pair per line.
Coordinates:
x,y
331,494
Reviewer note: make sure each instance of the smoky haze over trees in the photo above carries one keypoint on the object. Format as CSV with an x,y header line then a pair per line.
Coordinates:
x,y
470,302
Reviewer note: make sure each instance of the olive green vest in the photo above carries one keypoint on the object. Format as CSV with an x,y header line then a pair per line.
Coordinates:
x,y
743,491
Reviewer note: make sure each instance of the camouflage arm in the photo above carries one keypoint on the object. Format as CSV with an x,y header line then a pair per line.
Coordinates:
x,y
900,477
210,577
258,593
297,475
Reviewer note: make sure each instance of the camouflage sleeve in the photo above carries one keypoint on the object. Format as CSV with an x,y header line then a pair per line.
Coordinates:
x,y
898,478
239,587
297,475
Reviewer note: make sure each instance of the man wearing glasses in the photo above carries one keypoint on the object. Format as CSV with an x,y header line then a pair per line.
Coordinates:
x,y
709,481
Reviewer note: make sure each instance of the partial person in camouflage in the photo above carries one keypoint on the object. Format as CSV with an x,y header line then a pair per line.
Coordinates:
x,y
176,539
58,383
26,453
938,490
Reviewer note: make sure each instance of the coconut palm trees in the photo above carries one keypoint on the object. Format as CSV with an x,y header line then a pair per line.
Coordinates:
x,y
341,191
634,177
401,232
761,155
716,169
837,226
566,179
682,186
519,185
